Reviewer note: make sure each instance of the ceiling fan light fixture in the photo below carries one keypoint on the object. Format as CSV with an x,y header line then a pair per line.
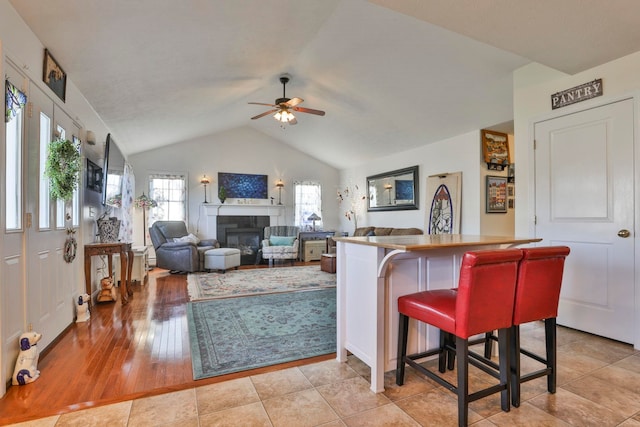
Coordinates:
x,y
283,116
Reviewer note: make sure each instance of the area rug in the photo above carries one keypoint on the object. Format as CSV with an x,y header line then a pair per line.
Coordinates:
x,y
257,281
237,334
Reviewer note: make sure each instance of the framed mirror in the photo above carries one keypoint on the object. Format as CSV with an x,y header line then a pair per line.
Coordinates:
x,y
395,190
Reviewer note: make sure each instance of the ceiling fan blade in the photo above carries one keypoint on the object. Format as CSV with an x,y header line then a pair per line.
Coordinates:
x,y
263,114
293,121
261,103
309,110
293,102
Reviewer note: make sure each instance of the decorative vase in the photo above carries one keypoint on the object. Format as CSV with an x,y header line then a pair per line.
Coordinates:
x,y
109,229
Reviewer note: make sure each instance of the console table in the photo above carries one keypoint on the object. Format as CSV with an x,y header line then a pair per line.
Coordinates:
x,y
109,249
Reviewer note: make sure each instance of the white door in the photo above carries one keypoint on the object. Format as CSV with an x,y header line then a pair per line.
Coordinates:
x,y
12,299
49,293
584,199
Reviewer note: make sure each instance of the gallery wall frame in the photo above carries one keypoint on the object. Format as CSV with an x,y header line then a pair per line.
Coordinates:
x,y
495,148
54,76
496,194
94,177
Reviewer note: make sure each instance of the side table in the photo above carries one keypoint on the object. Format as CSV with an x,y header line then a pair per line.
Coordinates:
x,y
109,249
140,269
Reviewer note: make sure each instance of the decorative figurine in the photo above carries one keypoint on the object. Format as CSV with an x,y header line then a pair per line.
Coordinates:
x,y
83,308
108,291
26,370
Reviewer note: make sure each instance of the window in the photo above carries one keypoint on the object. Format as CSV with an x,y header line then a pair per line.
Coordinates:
x,y
13,171
44,198
169,191
61,134
307,201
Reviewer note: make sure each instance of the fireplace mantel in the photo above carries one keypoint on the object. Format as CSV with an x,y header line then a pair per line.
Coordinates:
x,y
276,214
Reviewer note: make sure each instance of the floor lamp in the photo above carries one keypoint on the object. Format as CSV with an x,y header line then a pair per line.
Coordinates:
x,y
145,203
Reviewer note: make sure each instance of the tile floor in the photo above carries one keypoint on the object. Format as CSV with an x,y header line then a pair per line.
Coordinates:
x,y
598,385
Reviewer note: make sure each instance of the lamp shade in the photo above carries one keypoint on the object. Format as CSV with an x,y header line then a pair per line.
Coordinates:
x,y
144,202
314,217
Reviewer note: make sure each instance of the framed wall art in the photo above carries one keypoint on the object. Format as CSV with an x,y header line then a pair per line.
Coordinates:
x,y
54,76
495,148
94,177
496,194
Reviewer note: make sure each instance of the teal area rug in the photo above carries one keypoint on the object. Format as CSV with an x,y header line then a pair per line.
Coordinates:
x,y
257,281
237,334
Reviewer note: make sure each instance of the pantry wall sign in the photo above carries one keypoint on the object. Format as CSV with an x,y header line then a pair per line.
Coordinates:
x,y
576,94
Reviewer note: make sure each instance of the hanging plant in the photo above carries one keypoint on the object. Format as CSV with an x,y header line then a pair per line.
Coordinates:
x,y
62,168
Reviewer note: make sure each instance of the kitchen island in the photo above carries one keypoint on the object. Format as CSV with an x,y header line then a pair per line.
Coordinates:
x,y
372,272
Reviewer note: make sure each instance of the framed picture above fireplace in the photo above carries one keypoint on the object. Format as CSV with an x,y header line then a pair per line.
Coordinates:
x,y
244,186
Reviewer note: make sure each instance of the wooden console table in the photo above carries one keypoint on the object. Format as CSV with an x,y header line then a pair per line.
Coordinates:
x,y
126,264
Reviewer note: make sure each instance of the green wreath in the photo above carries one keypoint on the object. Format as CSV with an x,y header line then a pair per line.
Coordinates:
x,y
62,168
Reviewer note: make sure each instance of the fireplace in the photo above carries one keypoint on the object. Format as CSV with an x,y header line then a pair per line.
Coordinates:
x,y
244,232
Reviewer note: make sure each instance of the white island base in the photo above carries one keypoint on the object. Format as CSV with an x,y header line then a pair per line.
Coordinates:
x,y
372,272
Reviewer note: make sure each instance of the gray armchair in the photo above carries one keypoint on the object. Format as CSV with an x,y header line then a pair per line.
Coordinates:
x,y
284,248
175,251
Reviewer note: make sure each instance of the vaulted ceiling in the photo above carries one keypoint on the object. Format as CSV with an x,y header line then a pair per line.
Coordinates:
x,y
390,74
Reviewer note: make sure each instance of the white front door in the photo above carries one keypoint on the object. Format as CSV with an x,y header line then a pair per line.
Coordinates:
x,y
49,291
584,199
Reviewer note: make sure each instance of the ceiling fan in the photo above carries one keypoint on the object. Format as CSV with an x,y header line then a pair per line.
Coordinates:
x,y
284,106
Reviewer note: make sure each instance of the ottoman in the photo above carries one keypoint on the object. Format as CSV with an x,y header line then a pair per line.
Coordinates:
x,y
328,263
222,259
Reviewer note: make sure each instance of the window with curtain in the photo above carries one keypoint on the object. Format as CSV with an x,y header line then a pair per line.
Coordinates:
x,y
307,201
170,192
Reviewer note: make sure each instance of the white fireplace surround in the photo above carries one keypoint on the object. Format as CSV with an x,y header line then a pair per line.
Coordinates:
x,y
276,214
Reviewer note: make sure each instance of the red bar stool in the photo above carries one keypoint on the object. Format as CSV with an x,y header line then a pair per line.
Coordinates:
x,y
482,302
537,297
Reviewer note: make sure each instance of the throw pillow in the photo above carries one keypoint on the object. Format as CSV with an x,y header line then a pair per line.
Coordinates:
x,y
281,240
189,238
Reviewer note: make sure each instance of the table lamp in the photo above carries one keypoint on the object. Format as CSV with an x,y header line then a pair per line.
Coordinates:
x,y
314,217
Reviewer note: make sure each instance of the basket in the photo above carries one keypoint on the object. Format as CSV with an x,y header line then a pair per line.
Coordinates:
x,y
109,229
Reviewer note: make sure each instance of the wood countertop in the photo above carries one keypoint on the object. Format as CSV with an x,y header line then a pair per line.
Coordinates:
x,y
435,241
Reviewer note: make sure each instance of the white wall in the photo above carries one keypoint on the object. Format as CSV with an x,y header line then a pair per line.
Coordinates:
x,y
458,154
241,150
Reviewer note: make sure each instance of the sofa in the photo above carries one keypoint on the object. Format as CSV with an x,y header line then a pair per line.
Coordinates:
x,y
176,249
385,231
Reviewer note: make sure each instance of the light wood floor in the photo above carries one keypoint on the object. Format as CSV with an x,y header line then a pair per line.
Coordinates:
x,y
122,353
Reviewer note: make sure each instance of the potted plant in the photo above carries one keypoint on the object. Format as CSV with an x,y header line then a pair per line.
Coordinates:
x,y
62,167
222,194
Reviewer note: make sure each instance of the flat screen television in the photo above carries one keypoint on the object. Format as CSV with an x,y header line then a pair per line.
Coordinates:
x,y
244,186
113,172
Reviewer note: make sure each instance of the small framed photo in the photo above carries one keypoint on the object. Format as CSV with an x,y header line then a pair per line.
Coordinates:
x,y
54,76
511,203
496,194
94,177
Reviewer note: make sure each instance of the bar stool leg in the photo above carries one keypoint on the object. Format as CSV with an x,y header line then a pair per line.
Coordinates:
x,y
515,365
462,355
550,343
504,338
403,332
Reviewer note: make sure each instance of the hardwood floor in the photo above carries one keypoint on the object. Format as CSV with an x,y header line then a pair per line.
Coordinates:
x,y
122,353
